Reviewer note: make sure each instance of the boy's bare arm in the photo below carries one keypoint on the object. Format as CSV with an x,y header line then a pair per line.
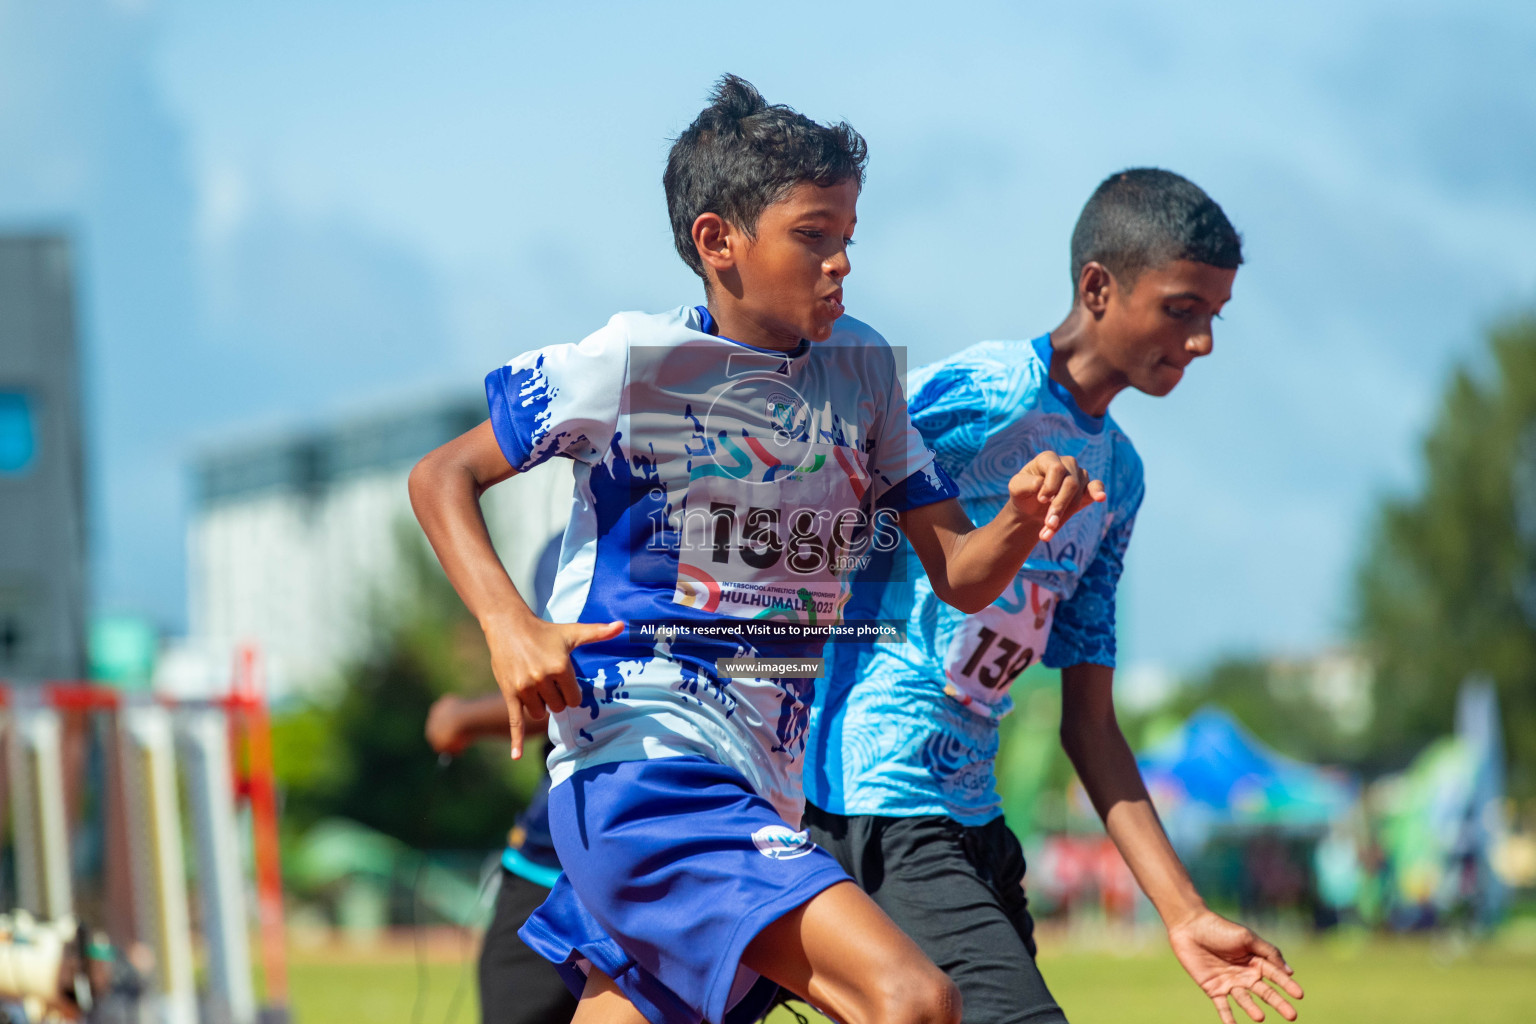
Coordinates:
x,y
531,658
445,489
970,566
454,722
1223,957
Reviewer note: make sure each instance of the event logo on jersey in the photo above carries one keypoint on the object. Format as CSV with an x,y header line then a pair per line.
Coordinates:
x,y
780,842
776,516
789,414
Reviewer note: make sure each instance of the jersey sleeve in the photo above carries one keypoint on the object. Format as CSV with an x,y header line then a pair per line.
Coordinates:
x,y
560,400
949,409
1083,630
905,472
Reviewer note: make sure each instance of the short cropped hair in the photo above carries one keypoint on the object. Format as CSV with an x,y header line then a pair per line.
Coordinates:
x,y
742,154
1145,217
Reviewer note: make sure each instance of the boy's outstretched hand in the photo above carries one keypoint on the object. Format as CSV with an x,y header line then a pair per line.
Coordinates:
x,y
531,660
1226,959
1057,481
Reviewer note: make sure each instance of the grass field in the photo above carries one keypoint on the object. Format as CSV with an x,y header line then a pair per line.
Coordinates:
x,y
1348,981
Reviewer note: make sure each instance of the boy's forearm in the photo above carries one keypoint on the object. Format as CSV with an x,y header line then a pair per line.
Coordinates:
x,y
968,566
984,562
1092,739
971,567
1133,825
480,717
486,718
445,490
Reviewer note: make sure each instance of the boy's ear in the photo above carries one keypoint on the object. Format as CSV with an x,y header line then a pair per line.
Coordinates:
x,y
1094,286
715,241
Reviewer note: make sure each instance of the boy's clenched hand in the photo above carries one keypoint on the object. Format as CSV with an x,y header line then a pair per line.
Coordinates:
x,y
1055,481
445,726
531,660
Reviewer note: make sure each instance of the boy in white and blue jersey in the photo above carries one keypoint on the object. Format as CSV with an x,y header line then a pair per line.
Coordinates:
x,y
900,777
734,463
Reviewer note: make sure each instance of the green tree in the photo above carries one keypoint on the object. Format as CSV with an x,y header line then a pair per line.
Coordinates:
x,y
363,755
1267,696
1448,584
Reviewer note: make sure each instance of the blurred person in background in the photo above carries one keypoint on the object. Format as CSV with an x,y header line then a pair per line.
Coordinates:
x,y
517,986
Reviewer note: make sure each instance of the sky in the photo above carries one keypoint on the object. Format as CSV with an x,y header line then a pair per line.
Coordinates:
x,y
290,212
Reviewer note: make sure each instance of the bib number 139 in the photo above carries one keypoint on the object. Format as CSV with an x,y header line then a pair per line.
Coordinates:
x,y
996,660
992,647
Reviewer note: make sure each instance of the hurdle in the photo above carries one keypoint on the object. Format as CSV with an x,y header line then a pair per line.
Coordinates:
x,y
36,792
219,749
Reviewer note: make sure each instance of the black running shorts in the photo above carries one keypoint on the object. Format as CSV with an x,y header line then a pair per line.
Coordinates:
x,y
958,892
517,986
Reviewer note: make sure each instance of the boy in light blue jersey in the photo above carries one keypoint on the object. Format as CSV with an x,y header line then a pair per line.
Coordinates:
x,y
734,461
900,779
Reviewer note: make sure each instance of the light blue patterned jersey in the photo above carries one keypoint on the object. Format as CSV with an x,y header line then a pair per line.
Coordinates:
x,y
911,729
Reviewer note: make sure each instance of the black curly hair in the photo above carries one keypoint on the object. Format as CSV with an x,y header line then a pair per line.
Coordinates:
x,y
742,154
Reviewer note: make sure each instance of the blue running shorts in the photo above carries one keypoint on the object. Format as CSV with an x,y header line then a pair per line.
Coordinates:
x,y
672,866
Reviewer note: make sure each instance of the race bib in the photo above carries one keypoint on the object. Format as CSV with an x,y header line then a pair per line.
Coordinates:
x,y
991,648
773,531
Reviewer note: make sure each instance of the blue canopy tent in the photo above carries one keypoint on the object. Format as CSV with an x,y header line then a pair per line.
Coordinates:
x,y
1211,774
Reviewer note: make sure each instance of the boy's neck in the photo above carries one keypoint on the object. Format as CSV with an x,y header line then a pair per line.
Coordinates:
x,y
733,322
1078,366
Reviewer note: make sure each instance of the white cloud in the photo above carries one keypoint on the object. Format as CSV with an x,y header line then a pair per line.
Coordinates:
x,y
224,203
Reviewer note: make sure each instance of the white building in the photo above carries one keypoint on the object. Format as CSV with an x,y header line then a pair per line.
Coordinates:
x,y
292,538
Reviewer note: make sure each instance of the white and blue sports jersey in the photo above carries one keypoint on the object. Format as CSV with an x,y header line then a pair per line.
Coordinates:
x,y
911,729
719,487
